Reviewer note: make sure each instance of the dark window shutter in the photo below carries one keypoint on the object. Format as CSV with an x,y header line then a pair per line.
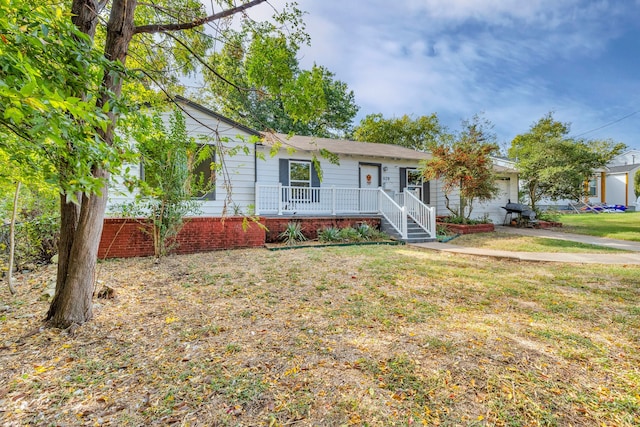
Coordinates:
x,y
315,179
284,178
315,183
426,193
284,171
403,179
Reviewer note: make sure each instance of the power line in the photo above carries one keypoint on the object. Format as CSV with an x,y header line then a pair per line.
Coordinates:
x,y
606,125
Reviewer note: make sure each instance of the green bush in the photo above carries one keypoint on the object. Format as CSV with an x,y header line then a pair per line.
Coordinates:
x,y
349,234
329,234
37,230
292,234
462,220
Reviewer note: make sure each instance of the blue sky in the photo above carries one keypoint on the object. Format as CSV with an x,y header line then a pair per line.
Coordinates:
x,y
512,60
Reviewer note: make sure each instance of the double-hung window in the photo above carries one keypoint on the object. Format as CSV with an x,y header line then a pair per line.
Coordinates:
x,y
593,187
300,173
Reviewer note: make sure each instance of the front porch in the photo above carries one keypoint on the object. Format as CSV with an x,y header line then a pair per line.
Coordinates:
x,y
403,214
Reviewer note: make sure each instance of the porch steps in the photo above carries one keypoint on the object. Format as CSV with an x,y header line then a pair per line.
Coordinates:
x,y
415,233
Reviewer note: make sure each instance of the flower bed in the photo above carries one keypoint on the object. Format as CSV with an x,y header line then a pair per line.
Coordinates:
x,y
467,228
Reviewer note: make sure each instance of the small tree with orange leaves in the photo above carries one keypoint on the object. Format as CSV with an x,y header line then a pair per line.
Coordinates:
x,y
464,164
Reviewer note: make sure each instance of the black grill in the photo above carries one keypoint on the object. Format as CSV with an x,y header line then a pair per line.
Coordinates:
x,y
524,214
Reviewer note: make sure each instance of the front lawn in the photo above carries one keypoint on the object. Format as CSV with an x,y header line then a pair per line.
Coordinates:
x,y
624,226
361,335
510,242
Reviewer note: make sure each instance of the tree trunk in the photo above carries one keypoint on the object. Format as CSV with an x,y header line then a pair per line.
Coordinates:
x,y
81,227
80,231
12,237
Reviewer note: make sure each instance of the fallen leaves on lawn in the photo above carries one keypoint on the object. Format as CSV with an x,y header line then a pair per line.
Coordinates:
x,y
254,337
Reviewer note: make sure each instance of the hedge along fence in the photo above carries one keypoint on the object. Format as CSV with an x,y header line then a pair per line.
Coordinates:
x,y
126,238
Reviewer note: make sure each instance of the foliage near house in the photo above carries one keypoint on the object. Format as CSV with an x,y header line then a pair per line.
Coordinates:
x,y
277,95
62,97
551,164
636,186
419,133
166,193
464,165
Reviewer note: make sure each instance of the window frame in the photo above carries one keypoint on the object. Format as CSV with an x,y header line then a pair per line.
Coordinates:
x,y
593,187
293,182
212,177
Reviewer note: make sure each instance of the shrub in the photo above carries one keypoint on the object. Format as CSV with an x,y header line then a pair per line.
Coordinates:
x,y
462,220
349,234
329,234
292,234
37,229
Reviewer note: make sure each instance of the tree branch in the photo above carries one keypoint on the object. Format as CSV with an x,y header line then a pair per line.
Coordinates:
x,y
164,28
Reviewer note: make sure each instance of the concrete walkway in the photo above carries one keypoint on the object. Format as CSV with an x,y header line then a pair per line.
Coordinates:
x,y
581,258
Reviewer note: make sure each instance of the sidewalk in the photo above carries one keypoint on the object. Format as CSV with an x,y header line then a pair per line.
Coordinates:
x,y
581,258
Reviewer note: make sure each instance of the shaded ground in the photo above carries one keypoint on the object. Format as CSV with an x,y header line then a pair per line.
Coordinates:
x,y
374,335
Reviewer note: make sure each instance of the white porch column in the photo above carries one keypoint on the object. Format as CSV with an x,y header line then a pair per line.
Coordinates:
x,y
404,222
333,200
279,198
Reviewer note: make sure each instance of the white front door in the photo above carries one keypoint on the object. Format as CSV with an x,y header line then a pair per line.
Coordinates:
x,y
370,180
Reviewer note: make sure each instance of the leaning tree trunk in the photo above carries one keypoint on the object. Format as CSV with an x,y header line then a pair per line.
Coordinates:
x,y
81,227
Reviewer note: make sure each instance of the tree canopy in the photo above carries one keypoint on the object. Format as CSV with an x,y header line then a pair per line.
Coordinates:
x,y
256,79
464,165
421,133
61,78
552,164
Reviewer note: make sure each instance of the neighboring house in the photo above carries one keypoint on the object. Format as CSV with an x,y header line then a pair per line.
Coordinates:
x,y
611,185
619,178
278,177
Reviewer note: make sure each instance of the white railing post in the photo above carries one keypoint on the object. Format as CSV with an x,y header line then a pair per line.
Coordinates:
x,y
257,195
404,222
279,198
432,221
333,200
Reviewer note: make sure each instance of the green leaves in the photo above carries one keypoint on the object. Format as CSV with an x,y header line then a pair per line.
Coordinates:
x,y
256,80
553,165
419,133
464,164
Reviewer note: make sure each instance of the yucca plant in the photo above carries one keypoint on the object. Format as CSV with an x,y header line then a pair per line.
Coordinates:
x,y
292,234
329,234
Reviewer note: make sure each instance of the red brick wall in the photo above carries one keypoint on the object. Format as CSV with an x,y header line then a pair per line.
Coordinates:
x,y
124,238
311,225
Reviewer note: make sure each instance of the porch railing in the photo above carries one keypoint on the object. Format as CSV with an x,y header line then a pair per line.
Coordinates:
x,y
422,214
395,214
278,199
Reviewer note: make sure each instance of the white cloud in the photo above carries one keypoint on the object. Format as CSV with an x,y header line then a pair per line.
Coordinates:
x,y
459,57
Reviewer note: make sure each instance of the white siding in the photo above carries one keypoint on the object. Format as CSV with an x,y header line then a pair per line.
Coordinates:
x,y
345,175
508,186
239,168
617,189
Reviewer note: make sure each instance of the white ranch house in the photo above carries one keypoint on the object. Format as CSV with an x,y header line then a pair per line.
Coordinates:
x,y
276,177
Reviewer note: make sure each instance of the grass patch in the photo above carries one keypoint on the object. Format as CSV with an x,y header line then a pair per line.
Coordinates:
x,y
623,226
357,335
510,242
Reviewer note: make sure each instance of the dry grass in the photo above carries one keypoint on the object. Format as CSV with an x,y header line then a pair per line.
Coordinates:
x,y
375,335
510,242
